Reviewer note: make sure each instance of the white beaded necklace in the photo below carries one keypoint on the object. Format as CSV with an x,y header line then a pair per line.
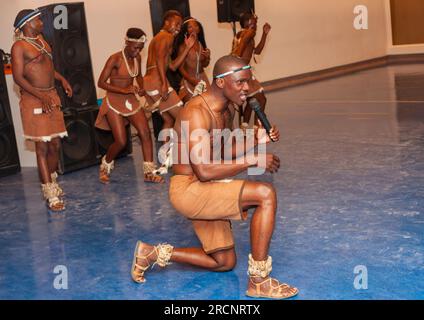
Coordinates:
x,y
35,44
134,73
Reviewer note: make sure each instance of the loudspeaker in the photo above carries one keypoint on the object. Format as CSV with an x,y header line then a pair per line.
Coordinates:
x,y
71,52
85,144
79,148
159,7
231,10
9,159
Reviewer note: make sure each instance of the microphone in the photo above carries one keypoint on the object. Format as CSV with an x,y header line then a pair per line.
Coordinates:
x,y
254,104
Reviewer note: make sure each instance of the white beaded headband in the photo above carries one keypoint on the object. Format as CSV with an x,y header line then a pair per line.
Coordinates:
x,y
142,39
191,19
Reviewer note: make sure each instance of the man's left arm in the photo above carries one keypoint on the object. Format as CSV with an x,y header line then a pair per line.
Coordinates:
x,y
261,44
65,84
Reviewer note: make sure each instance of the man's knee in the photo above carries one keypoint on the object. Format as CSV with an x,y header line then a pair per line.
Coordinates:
x,y
230,262
266,192
226,261
41,149
54,146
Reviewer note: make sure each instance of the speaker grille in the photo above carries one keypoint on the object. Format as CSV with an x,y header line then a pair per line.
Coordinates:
x,y
75,18
5,149
79,143
9,159
81,87
79,148
74,51
3,117
231,10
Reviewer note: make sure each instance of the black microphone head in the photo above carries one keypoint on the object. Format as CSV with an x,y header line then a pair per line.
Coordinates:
x,y
254,104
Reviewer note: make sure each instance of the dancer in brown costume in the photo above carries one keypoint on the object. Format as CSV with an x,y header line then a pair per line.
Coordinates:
x,y
159,94
121,105
40,106
244,47
194,79
198,192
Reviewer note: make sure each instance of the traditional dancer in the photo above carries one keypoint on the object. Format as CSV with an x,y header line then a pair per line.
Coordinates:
x,y
244,47
194,79
122,106
211,204
40,106
160,95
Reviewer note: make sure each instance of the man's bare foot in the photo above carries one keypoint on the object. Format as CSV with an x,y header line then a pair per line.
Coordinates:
x,y
151,177
269,288
144,256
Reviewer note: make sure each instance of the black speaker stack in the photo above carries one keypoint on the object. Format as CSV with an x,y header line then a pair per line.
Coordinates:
x,y
71,53
9,159
231,10
85,144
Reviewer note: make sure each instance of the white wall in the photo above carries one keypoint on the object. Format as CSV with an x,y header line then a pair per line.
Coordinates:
x,y
306,35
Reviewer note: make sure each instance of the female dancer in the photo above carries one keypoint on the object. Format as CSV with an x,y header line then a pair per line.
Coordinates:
x,y
121,105
194,79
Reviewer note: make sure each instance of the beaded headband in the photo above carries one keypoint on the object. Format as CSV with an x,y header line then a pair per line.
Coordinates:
x,y
27,18
191,19
142,39
222,75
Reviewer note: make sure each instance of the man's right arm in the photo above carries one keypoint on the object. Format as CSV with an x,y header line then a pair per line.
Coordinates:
x,y
260,46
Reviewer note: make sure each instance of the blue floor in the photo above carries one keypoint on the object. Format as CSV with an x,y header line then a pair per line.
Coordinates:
x,y
350,193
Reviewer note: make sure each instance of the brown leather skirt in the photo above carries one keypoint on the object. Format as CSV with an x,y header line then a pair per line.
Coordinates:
x,y
37,125
122,104
155,101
